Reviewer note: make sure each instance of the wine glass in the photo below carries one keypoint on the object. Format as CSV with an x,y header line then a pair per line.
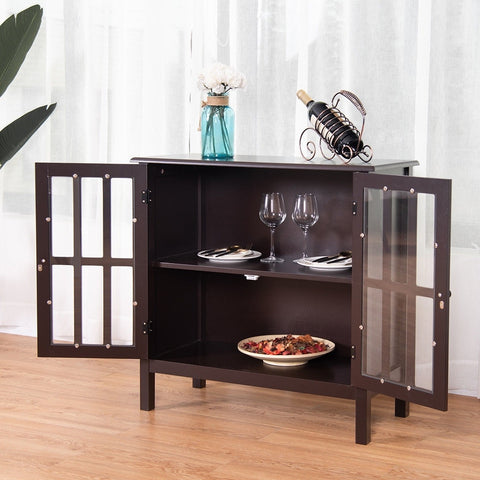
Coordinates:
x,y
272,213
305,215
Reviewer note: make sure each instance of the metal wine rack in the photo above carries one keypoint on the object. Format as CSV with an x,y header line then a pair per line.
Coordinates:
x,y
331,127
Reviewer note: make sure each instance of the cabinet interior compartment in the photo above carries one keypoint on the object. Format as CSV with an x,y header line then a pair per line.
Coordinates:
x,y
236,308
209,207
198,317
201,316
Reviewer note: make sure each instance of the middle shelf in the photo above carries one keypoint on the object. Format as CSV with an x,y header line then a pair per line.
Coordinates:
x,y
287,269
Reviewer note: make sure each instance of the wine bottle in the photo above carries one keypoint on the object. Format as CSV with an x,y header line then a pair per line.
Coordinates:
x,y
332,126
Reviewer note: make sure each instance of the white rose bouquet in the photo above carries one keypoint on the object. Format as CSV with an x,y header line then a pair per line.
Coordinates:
x,y
217,119
219,79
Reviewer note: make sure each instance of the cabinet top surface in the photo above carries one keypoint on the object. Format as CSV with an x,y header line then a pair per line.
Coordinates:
x,y
290,162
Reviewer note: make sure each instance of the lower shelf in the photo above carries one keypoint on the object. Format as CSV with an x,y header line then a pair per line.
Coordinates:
x,y
328,375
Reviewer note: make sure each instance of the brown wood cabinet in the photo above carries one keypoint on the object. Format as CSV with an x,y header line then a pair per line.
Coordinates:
x,y
117,251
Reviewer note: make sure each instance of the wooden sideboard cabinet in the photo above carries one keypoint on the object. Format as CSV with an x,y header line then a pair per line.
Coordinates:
x,y
119,276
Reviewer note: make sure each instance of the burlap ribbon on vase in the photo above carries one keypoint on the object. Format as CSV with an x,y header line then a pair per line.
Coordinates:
x,y
213,100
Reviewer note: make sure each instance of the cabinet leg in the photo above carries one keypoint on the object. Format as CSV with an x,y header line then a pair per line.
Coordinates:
x,y
362,416
402,408
198,383
147,386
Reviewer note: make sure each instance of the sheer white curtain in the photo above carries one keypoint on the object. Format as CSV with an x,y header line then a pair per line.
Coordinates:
x,y
124,76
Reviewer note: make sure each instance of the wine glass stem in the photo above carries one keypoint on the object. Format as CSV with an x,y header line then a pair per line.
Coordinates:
x,y
272,247
305,242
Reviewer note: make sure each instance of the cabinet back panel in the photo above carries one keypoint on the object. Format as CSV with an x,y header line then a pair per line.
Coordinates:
x,y
231,200
236,308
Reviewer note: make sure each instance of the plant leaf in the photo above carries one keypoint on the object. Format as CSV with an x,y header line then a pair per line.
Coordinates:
x,y
16,37
15,135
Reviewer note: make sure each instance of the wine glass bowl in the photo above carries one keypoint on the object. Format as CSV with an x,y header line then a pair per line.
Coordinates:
x,y
272,213
305,215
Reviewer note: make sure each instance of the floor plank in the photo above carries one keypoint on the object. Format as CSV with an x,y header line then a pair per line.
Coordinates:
x,y
79,419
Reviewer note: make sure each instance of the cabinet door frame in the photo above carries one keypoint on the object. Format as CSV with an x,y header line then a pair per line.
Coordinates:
x,y
437,396
139,261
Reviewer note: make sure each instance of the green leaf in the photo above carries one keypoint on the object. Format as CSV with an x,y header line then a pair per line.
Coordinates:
x,y
16,37
15,135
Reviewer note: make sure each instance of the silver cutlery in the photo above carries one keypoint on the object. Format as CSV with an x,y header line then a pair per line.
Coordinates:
x,y
327,258
228,251
341,259
215,251
235,249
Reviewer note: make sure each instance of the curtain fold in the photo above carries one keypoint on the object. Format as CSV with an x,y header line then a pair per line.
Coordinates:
x,y
124,77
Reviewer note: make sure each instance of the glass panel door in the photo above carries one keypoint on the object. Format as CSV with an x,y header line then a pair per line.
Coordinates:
x,y
91,235
401,269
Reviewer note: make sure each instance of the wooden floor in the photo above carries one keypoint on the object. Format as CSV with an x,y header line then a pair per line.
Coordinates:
x,y
63,419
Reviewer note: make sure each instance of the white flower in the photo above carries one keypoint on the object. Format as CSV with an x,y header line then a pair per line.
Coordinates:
x,y
218,79
201,81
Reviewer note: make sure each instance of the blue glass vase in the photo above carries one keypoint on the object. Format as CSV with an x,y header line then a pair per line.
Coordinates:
x,y
217,125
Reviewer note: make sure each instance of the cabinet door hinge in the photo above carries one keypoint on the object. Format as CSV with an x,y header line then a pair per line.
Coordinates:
x,y
354,208
146,196
352,351
147,327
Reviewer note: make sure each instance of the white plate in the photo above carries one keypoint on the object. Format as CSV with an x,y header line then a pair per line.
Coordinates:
x,y
231,257
284,360
309,262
